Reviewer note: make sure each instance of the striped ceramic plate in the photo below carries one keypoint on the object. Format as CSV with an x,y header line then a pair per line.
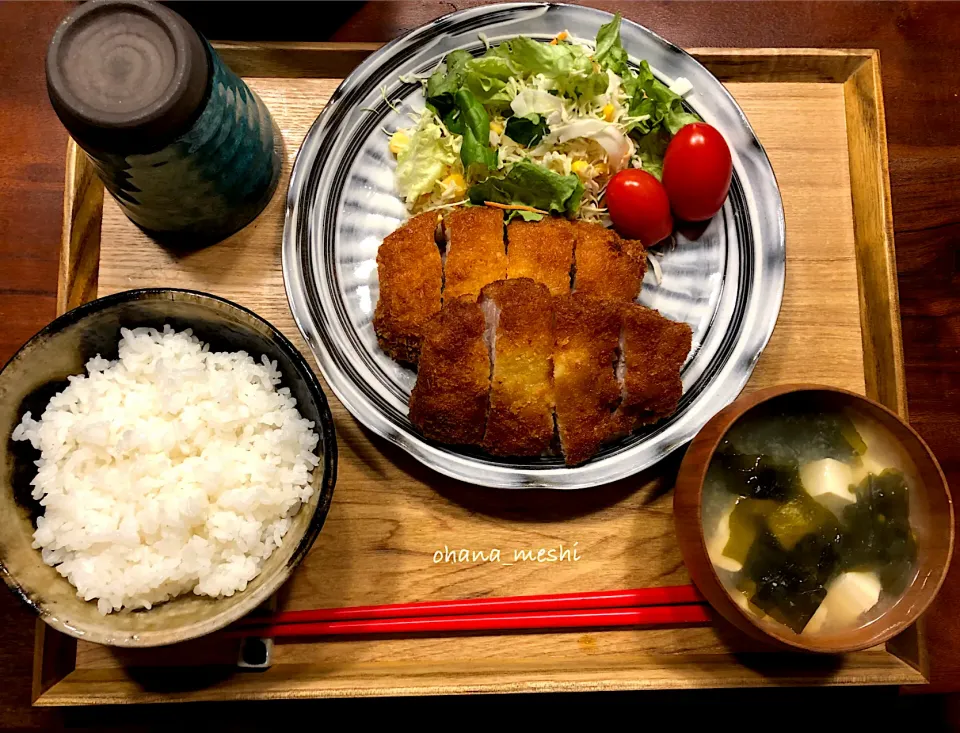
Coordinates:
x,y
727,284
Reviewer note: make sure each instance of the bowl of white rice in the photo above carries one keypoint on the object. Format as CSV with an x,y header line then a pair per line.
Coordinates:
x,y
169,459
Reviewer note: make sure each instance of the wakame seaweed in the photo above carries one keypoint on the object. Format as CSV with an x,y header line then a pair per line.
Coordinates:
x,y
789,585
878,533
796,435
759,477
798,518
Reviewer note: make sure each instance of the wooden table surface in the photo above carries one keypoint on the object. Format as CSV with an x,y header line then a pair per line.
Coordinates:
x,y
920,61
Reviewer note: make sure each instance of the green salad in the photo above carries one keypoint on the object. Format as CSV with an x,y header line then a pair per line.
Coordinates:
x,y
538,128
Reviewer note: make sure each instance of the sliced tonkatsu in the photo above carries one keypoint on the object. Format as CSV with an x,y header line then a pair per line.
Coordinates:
x,y
476,254
521,341
606,265
586,341
543,251
411,278
520,331
653,349
634,249
449,400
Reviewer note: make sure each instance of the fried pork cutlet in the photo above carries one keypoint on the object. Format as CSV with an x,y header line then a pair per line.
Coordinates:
x,y
606,265
475,254
449,400
542,250
520,323
586,338
411,277
653,349
634,248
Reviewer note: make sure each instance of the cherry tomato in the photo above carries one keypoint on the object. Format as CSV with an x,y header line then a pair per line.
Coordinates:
x,y
696,172
639,206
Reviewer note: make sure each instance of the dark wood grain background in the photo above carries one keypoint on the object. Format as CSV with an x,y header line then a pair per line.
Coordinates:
x,y
920,58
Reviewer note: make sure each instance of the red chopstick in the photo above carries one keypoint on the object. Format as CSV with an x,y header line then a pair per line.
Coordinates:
x,y
674,615
663,596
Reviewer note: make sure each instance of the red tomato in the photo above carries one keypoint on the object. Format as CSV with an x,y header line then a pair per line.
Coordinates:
x,y
639,206
696,172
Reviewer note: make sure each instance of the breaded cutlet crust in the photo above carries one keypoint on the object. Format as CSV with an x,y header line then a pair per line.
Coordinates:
x,y
543,251
604,266
449,400
635,250
586,338
476,254
411,277
654,350
520,421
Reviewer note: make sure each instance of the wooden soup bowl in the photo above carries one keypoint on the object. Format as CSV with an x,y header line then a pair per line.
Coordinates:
x,y
931,517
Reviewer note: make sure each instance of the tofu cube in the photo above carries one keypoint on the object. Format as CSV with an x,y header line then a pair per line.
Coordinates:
x,y
817,621
848,596
719,539
828,481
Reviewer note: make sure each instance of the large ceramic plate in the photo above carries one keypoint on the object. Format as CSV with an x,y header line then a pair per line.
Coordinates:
x,y
341,204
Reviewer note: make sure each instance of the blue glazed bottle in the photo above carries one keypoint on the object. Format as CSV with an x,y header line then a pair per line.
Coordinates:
x,y
185,147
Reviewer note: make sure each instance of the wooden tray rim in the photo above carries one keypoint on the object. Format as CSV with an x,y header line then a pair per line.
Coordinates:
x,y
56,680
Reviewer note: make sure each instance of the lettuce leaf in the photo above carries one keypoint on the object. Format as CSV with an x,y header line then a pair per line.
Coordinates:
x,y
486,77
649,96
444,83
610,53
425,160
534,57
567,65
677,117
651,149
531,185
652,97
469,119
525,215
528,130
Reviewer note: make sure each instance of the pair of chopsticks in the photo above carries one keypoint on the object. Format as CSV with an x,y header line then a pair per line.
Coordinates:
x,y
640,607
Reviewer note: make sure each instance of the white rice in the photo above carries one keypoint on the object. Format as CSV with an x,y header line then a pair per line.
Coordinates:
x,y
173,469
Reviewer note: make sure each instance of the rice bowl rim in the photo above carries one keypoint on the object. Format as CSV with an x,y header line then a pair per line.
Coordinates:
x,y
327,447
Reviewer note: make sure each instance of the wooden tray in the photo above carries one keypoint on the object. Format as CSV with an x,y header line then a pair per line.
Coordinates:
x,y
819,114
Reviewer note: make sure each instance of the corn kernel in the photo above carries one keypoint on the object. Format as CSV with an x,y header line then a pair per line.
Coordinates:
x,y
579,167
561,36
496,127
398,141
608,112
455,183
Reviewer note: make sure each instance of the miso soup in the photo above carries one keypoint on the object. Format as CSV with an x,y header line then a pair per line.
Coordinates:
x,y
806,515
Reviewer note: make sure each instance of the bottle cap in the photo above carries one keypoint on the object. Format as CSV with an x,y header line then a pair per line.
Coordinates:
x,y
126,76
